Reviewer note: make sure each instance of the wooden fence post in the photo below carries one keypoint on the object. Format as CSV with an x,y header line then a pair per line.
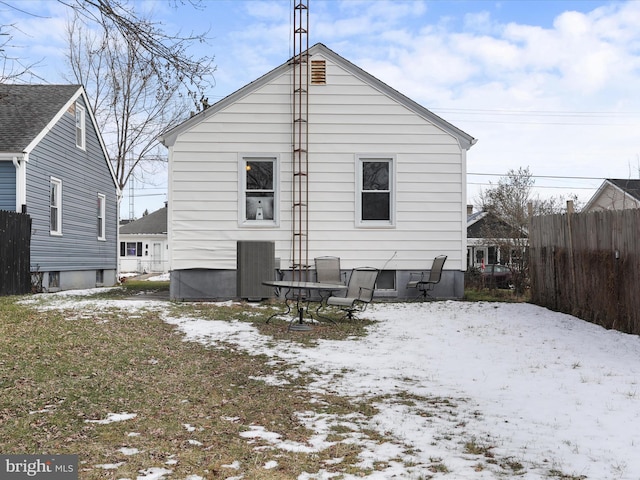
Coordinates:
x,y
572,265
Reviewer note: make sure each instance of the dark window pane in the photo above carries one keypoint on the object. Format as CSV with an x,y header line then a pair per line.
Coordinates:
x,y
375,206
386,280
260,175
54,219
54,195
375,175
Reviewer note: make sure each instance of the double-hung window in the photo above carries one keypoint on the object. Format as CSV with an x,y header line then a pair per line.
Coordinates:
x,y
101,216
55,206
258,190
80,126
375,191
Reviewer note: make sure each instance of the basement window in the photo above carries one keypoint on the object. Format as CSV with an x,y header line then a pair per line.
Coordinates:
x,y
54,279
318,72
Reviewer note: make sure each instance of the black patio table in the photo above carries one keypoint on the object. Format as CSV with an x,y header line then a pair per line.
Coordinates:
x,y
301,300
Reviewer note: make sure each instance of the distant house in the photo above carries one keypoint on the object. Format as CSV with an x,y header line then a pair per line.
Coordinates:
x,y
143,244
615,194
387,181
491,240
54,166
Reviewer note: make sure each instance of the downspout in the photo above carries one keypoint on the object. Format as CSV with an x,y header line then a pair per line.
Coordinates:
x,y
21,179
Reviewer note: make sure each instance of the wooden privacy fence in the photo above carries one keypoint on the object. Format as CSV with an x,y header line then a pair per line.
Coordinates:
x,y
588,265
15,253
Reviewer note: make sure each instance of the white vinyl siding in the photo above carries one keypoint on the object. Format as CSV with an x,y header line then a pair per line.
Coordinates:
x,y
348,117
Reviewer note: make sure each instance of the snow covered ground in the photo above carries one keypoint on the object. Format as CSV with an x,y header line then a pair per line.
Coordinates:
x,y
537,389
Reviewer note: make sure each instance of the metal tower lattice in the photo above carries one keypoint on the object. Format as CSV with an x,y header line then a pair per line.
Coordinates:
x,y
300,142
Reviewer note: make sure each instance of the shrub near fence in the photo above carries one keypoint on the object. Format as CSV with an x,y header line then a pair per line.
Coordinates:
x,y
15,253
588,265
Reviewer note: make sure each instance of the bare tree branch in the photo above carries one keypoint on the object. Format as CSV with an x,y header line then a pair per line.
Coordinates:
x,y
132,102
507,227
167,54
11,67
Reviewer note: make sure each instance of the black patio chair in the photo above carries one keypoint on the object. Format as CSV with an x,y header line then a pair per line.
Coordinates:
x,y
360,290
424,282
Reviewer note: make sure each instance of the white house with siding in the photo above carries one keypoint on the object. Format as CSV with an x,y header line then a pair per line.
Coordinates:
x,y
387,182
615,194
143,244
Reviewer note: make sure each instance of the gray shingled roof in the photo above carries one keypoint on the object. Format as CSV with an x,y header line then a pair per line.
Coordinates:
x,y
25,110
631,187
153,224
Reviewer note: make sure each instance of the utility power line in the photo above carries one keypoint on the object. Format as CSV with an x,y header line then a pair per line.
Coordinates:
x,y
563,177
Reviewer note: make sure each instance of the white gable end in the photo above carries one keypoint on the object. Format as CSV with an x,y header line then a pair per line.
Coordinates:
x,y
349,120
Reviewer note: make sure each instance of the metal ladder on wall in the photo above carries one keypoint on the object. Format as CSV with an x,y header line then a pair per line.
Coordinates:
x,y
300,143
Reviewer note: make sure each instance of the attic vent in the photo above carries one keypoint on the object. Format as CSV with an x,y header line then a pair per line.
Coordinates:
x,y
318,72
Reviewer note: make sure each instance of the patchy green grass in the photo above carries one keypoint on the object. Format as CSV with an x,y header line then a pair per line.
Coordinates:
x,y
62,370
494,295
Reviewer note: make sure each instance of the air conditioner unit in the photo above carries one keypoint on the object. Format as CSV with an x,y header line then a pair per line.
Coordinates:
x,y
256,263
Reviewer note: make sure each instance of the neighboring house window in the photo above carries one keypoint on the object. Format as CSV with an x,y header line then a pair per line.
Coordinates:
x,y
130,249
258,191
375,192
55,206
80,127
54,279
101,214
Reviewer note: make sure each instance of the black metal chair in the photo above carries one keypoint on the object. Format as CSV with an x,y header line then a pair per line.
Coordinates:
x,y
328,270
360,290
424,282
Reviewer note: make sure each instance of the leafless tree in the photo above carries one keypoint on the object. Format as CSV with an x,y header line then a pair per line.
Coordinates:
x,y
11,67
134,96
507,204
167,54
131,104
140,78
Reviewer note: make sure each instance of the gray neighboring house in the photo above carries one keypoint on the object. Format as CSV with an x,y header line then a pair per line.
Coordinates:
x,y
143,244
54,166
615,194
485,250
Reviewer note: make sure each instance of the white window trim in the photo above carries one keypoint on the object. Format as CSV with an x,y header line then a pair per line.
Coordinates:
x,y
102,215
58,182
360,158
242,182
83,125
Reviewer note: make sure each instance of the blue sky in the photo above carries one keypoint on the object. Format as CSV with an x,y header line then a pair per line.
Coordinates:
x,y
549,85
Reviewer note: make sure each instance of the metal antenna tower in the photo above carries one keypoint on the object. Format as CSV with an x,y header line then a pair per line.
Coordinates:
x,y
132,210
300,141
